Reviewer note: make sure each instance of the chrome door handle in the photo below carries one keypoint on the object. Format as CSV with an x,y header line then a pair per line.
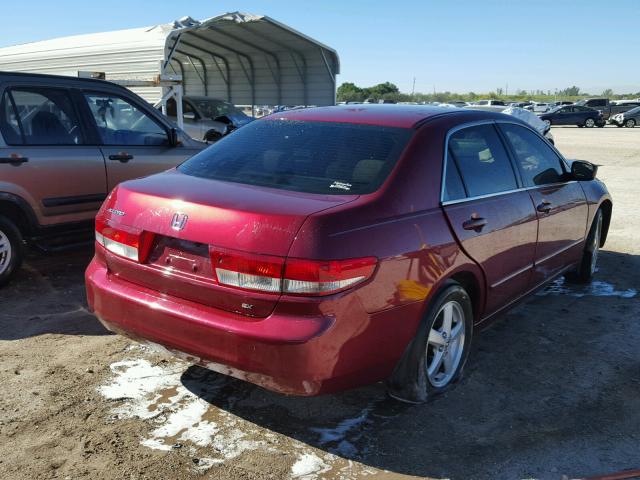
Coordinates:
x,y
476,224
123,157
14,159
544,207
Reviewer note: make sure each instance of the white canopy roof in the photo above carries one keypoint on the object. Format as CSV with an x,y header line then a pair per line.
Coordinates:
x,y
244,58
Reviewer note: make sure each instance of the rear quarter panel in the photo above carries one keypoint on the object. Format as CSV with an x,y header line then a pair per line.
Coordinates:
x,y
402,225
596,194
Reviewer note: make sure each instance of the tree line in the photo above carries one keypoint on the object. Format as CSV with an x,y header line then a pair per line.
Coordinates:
x,y
350,92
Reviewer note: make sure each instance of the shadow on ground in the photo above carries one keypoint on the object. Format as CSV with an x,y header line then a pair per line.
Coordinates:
x,y
551,389
47,296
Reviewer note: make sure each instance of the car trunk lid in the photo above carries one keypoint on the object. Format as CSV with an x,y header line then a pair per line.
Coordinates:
x,y
184,216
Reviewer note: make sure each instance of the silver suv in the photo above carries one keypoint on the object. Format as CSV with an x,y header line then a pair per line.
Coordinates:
x,y
208,119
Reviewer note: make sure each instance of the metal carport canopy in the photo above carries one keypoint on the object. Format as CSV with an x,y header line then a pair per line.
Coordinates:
x,y
251,60
243,58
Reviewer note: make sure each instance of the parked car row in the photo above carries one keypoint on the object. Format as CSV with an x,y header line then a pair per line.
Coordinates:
x,y
606,107
629,119
573,115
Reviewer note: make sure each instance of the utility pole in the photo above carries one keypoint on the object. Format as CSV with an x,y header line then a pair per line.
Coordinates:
x,y
413,89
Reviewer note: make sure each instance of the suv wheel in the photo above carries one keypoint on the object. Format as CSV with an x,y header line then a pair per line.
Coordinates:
x,y
11,249
212,136
630,123
589,123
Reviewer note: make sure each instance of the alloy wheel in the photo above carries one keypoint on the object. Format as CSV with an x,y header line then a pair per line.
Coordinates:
x,y
445,344
5,252
630,123
589,123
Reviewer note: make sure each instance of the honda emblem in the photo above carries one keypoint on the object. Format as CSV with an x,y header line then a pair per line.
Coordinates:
x,y
178,221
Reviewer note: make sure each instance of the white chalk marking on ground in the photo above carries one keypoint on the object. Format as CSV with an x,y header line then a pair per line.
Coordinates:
x,y
594,289
339,434
155,393
308,466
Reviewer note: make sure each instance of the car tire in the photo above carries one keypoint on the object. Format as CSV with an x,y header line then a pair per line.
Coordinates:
x,y
212,136
547,122
589,123
588,263
11,249
434,360
630,123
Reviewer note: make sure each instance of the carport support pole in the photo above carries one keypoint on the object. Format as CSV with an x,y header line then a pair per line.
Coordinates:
x,y
330,71
179,114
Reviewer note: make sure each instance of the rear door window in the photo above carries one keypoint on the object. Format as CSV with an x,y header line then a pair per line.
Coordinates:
x,y
120,122
538,163
482,160
312,157
9,126
453,185
42,116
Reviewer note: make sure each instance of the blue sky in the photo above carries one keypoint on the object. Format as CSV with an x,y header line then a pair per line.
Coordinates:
x,y
461,45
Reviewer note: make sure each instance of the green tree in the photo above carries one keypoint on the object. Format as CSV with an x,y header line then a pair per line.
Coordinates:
x,y
350,92
570,92
379,91
607,93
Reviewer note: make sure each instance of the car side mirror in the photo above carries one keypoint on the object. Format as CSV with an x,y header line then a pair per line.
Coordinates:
x,y
189,116
581,170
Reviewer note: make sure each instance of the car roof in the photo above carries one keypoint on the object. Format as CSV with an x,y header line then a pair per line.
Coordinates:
x,y
386,115
59,80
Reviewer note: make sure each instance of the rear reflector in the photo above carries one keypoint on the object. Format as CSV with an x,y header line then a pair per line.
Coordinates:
x,y
291,276
123,241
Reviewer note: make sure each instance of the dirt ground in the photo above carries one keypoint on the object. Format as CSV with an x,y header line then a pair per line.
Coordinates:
x,y
551,389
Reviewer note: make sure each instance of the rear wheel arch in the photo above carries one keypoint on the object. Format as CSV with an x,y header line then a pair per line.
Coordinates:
x,y
18,211
606,206
409,381
467,280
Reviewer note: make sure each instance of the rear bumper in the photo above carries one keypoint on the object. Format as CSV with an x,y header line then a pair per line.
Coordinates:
x,y
292,354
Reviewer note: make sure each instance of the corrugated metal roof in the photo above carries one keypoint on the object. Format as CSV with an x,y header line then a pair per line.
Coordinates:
x,y
244,58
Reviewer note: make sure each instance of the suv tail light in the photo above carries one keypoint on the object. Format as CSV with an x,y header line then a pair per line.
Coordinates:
x,y
125,242
291,276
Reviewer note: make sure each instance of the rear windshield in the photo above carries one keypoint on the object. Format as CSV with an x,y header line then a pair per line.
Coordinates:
x,y
311,157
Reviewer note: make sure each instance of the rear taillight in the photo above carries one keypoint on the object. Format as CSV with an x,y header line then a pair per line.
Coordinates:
x,y
124,241
312,277
290,276
244,270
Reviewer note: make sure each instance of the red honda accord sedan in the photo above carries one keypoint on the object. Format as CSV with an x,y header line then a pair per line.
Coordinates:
x,y
322,249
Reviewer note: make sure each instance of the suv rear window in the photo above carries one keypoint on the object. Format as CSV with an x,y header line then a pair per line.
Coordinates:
x,y
312,157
